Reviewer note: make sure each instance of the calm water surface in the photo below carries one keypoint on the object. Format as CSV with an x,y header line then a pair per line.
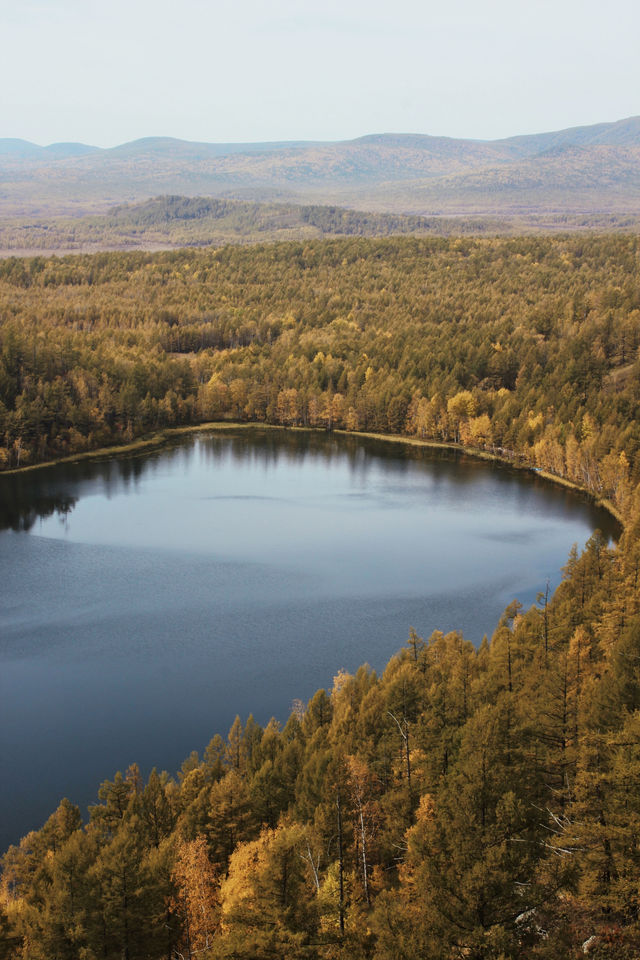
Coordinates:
x,y
147,600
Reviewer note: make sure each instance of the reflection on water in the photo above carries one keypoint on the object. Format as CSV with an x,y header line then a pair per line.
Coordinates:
x,y
57,489
148,599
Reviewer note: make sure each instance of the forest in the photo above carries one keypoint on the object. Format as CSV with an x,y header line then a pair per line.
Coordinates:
x,y
522,348
467,803
177,221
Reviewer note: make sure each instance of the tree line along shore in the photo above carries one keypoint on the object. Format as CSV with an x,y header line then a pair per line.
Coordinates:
x,y
479,804
525,348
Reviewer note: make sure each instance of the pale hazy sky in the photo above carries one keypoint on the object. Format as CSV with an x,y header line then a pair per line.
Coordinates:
x,y
107,71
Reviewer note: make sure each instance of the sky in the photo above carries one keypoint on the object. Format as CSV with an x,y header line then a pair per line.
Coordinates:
x,y
108,71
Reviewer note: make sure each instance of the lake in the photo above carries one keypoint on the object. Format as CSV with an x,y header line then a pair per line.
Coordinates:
x,y
147,600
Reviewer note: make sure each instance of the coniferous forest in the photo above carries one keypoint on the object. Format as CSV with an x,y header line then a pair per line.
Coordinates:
x,y
480,804
527,348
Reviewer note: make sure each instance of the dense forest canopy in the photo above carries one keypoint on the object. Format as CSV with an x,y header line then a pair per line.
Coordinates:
x,y
467,803
525,347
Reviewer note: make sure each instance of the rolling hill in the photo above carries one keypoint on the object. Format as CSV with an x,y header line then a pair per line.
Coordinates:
x,y
581,171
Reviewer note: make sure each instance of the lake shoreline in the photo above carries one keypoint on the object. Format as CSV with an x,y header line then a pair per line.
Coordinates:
x,y
237,568
163,437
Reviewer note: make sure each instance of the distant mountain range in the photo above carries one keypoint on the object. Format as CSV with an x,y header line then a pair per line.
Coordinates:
x,y
581,171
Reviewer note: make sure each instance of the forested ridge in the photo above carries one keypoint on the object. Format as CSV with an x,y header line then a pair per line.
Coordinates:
x,y
198,221
174,221
465,804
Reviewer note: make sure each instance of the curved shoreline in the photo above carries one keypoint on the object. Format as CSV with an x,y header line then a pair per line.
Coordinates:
x,y
161,438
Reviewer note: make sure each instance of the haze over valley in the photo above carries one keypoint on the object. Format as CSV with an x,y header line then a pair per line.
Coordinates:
x,y
70,196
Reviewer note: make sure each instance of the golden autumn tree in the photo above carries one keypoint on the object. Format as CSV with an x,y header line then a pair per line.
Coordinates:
x,y
197,895
268,898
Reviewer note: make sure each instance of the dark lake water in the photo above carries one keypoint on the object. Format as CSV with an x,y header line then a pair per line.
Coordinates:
x,y
147,600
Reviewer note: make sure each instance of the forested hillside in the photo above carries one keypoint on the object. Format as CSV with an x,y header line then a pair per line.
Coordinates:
x,y
525,348
174,222
478,804
467,803
199,221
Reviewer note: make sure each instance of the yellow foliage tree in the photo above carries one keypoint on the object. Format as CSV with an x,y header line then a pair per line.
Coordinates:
x,y
197,895
461,407
268,898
